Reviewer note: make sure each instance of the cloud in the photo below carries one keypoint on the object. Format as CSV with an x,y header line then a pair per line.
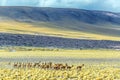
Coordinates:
x,y
113,3
109,5
3,2
63,3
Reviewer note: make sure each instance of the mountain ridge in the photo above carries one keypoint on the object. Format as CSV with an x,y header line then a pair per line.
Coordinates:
x,y
96,22
47,13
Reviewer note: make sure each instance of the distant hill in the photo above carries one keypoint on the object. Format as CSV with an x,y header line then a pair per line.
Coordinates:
x,y
59,14
95,22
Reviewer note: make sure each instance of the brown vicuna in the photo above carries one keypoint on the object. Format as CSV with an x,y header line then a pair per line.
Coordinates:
x,y
80,67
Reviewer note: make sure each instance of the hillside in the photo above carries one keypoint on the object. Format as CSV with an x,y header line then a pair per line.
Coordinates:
x,y
72,23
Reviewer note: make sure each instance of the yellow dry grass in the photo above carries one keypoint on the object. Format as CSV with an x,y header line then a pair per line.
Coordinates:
x,y
64,54
25,28
87,73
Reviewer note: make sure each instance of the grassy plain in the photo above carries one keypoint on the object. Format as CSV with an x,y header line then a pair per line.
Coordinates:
x,y
96,71
98,53
102,71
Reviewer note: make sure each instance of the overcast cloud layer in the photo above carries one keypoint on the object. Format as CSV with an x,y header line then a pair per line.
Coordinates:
x,y
106,5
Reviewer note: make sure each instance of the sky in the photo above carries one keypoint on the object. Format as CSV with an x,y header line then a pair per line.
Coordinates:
x,y
104,5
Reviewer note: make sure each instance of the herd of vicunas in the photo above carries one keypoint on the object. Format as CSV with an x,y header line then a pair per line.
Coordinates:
x,y
46,65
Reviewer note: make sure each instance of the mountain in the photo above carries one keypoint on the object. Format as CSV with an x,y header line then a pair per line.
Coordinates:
x,y
77,20
59,14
